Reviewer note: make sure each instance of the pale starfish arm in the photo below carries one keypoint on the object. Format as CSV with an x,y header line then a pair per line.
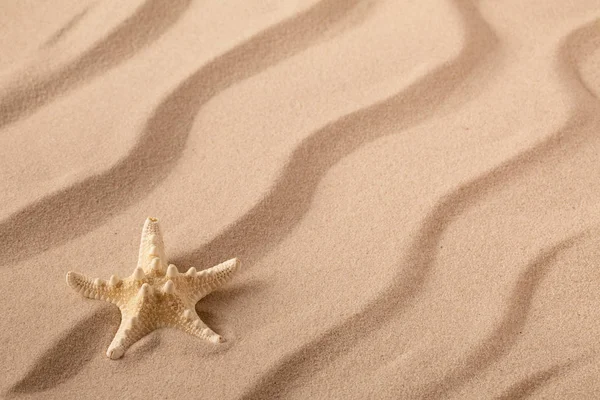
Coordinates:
x,y
151,247
210,279
120,342
96,288
134,323
130,331
193,325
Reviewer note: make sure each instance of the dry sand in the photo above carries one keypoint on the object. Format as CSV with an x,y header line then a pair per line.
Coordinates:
x,y
413,188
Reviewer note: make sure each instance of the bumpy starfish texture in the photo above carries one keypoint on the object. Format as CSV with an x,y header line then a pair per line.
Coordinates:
x,y
155,295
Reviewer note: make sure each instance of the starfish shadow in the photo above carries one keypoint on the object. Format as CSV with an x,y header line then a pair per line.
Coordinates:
x,y
143,348
209,306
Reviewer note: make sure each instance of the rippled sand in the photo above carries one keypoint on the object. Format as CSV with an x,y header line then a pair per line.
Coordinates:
x,y
413,188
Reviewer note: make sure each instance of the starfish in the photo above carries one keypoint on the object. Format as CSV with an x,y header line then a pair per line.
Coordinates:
x,y
155,295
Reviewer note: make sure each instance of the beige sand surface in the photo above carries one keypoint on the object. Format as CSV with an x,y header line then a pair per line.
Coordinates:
x,y
413,188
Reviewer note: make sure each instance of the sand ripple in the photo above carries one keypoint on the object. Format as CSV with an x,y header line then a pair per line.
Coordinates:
x,y
486,357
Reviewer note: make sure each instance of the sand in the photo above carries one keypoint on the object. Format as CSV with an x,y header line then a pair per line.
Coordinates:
x,y
413,188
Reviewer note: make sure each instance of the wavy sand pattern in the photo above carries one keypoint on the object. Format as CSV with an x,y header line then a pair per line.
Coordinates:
x,y
155,153
479,166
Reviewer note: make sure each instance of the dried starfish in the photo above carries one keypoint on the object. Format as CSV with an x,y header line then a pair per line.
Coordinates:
x,y
155,295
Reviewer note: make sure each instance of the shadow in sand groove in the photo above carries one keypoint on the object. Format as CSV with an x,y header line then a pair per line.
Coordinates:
x,y
26,94
269,221
319,353
156,152
505,335
71,23
528,386
96,199
66,357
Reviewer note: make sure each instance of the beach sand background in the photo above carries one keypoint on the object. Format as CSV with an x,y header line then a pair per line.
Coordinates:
x,y
413,188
